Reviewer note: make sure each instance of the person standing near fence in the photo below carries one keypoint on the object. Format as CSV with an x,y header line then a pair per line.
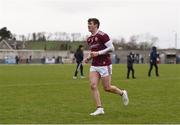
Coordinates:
x,y
153,61
79,56
130,61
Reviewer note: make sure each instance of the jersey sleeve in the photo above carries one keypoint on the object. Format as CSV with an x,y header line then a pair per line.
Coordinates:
x,y
105,38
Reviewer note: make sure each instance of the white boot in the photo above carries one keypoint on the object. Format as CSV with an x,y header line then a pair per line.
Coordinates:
x,y
74,77
82,77
99,111
125,98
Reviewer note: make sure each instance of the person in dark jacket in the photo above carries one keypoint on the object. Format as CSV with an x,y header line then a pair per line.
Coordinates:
x,y
17,59
79,56
130,61
153,61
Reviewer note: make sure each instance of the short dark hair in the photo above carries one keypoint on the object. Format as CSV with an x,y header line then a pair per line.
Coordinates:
x,y
154,48
80,46
95,21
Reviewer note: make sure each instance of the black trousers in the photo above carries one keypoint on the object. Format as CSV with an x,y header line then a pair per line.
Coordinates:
x,y
79,66
151,67
129,69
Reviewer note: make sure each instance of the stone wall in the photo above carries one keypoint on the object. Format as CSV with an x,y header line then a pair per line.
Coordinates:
x,y
37,55
122,54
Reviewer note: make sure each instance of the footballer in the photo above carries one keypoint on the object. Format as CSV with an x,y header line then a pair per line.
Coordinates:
x,y
101,67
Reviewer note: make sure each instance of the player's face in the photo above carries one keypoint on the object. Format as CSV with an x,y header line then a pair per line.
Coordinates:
x,y
91,26
82,48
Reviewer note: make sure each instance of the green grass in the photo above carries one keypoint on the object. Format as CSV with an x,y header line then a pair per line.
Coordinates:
x,y
53,45
47,94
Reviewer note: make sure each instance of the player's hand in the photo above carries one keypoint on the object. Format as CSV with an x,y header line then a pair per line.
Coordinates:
x,y
94,54
86,60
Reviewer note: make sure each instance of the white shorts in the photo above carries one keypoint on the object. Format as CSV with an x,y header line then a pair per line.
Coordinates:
x,y
102,70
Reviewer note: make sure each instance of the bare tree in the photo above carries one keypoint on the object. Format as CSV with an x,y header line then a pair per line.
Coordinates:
x,y
34,37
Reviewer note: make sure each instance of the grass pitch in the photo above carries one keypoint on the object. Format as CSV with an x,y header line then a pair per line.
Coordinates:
x,y
48,94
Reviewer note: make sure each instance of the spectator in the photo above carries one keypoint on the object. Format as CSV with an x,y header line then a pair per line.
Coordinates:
x,y
17,59
153,61
130,61
142,60
79,58
30,58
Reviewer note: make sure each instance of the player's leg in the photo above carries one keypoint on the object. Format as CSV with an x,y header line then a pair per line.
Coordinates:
x,y
106,81
94,80
156,68
150,69
133,73
81,69
76,71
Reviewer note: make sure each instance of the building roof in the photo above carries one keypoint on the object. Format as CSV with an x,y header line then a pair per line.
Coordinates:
x,y
5,45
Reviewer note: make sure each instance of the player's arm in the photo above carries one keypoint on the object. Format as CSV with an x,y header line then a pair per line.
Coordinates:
x,y
151,57
109,48
88,58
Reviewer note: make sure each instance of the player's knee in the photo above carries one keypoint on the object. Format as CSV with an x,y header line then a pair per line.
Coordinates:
x,y
107,89
93,86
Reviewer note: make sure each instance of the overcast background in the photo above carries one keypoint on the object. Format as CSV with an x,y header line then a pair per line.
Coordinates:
x,y
119,18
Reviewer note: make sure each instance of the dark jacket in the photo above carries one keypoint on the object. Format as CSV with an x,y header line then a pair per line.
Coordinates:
x,y
153,56
130,60
79,56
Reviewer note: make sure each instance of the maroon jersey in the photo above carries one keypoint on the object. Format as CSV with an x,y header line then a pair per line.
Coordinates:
x,y
96,43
